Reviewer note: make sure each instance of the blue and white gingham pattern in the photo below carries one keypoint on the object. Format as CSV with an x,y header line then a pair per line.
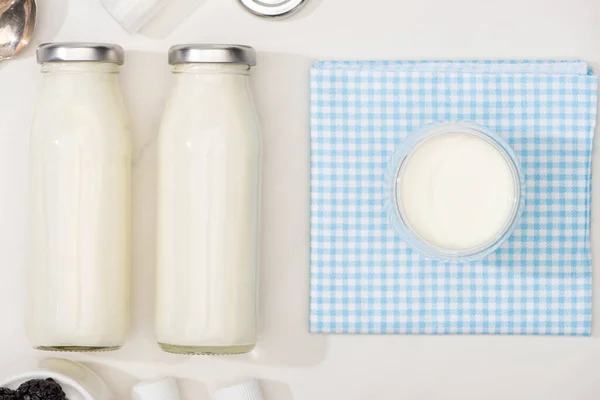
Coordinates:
x,y
365,280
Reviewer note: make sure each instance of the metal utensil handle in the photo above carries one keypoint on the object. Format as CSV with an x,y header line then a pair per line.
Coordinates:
x,y
6,4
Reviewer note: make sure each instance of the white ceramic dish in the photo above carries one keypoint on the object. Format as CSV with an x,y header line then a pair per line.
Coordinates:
x,y
77,380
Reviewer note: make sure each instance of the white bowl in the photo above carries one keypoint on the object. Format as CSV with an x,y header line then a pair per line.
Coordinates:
x,y
77,380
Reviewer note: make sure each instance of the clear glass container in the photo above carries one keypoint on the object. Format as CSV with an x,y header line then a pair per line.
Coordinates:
x,y
397,210
80,173
209,152
133,15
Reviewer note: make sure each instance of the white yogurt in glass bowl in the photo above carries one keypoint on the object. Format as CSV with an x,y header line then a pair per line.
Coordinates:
x,y
456,192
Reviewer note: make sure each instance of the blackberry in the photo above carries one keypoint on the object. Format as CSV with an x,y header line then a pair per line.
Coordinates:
x,y
40,389
7,394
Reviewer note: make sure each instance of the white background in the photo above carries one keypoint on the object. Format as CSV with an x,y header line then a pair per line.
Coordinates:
x,y
292,363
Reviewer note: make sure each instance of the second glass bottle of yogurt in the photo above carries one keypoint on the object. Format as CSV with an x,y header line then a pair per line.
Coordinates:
x,y
208,204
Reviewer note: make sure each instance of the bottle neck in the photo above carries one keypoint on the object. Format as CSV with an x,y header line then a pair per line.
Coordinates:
x,y
212,69
211,84
55,68
81,80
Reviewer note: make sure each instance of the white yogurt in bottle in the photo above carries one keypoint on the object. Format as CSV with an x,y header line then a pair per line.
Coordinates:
x,y
457,191
208,199
80,173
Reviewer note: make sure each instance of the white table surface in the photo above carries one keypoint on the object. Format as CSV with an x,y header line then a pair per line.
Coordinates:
x,y
291,363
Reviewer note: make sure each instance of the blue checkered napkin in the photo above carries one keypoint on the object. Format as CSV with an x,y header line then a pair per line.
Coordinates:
x,y
365,280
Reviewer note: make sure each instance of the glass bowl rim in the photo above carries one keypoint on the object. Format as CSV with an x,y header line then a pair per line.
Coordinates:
x,y
399,220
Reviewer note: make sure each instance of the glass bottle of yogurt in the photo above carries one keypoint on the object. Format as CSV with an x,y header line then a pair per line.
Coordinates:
x,y
208,200
80,172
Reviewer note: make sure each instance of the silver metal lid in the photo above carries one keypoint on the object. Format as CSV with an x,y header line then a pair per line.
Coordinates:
x,y
273,8
71,52
212,53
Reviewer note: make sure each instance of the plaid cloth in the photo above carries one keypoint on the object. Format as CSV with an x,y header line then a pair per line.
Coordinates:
x,y
365,280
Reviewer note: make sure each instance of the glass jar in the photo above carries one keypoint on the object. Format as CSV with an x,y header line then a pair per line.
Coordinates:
x,y
133,15
80,173
208,204
456,191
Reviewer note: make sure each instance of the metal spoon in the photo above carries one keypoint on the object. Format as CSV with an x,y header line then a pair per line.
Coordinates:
x,y
6,4
16,27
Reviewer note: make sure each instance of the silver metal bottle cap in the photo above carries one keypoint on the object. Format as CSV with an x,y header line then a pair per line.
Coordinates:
x,y
72,52
273,8
212,53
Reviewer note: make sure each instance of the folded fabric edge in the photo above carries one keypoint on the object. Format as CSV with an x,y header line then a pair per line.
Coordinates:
x,y
565,67
585,332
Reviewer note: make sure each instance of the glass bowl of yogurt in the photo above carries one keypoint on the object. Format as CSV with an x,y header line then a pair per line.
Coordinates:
x,y
456,191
